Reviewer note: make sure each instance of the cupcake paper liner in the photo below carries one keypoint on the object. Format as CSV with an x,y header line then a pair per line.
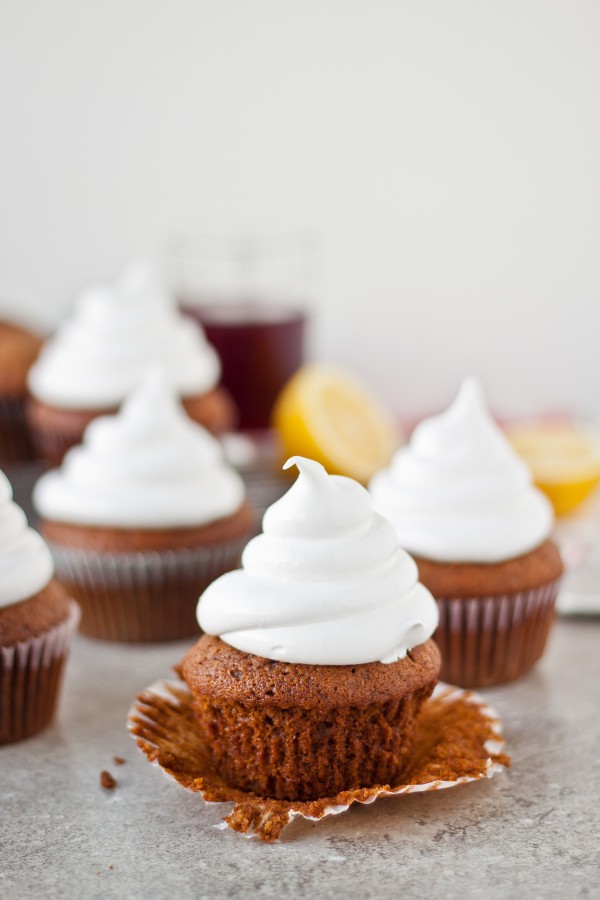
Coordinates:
x,y
30,676
458,739
144,596
491,640
15,439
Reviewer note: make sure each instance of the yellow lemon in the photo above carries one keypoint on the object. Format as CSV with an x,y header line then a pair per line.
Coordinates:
x,y
324,414
564,459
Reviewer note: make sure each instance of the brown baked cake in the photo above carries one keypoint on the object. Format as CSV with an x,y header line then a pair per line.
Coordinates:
x,y
54,430
297,732
34,642
37,622
103,569
18,350
494,618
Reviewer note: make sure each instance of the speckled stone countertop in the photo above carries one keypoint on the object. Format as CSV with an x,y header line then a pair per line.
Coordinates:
x,y
531,832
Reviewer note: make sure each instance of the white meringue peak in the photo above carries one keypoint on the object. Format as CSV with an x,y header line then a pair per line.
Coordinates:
x,y
325,583
148,466
26,565
458,492
100,353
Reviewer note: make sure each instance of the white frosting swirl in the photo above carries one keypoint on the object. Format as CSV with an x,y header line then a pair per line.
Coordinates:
x,y
326,582
458,492
25,561
148,466
99,355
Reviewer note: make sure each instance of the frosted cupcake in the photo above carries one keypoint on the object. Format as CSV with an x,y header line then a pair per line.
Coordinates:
x,y
99,355
142,516
18,350
37,622
463,504
317,655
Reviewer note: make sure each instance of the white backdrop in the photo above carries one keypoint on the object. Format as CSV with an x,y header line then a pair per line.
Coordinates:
x,y
447,152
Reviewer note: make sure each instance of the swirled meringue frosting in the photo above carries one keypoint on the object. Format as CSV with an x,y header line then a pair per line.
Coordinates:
x,y
458,492
99,355
149,466
25,562
326,583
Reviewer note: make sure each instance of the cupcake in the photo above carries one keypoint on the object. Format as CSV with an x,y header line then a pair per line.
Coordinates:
x,y
316,658
142,516
463,504
99,355
18,350
37,622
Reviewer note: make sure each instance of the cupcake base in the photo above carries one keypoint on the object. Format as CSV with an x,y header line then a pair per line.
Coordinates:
x,y
31,670
295,732
491,640
305,754
141,597
131,590
495,618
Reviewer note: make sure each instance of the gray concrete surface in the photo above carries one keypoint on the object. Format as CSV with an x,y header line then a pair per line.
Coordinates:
x,y
531,832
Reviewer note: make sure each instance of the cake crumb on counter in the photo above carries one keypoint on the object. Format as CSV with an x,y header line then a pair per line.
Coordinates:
x,y
107,781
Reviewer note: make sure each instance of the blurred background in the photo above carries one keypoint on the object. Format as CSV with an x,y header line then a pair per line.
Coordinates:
x,y
444,157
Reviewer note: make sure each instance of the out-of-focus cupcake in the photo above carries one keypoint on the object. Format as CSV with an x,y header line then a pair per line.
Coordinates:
x,y
464,506
99,355
37,622
18,350
317,656
142,516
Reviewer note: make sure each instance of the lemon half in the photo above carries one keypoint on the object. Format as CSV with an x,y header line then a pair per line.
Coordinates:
x,y
564,459
325,414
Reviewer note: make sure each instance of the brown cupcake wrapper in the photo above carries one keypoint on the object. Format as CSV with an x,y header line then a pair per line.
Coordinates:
x,y
15,439
458,739
30,677
490,640
143,596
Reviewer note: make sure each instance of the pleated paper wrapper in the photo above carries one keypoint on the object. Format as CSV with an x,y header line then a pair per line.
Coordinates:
x,y
143,596
458,740
30,677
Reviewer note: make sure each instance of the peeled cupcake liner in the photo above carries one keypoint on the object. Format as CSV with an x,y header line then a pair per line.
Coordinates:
x,y
142,596
15,440
459,740
490,640
30,678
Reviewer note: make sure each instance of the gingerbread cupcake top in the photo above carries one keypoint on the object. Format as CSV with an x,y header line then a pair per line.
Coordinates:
x,y
148,466
326,583
25,562
458,492
99,355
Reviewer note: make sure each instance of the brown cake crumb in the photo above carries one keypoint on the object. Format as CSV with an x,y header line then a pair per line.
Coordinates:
x,y
521,573
119,761
107,781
